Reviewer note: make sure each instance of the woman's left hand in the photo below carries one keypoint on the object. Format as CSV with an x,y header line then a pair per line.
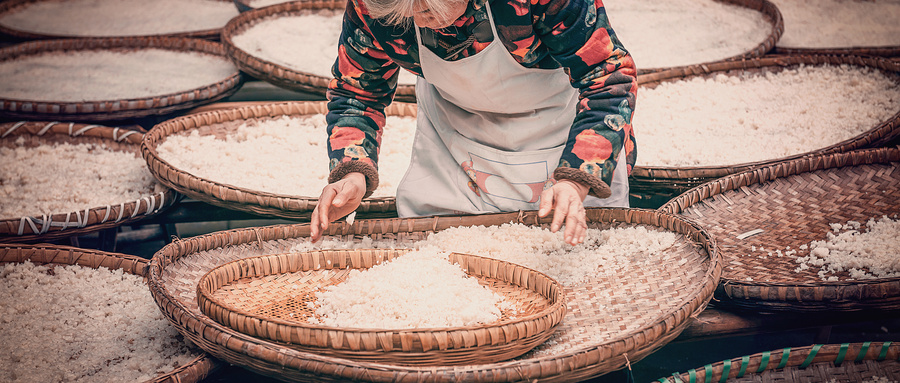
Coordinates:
x,y
566,199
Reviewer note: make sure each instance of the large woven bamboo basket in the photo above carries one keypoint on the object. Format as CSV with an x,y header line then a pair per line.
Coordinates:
x,y
668,182
776,28
839,363
601,331
66,224
268,297
237,198
790,204
8,6
280,75
198,369
121,109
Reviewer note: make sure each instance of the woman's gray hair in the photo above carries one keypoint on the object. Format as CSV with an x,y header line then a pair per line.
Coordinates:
x,y
397,12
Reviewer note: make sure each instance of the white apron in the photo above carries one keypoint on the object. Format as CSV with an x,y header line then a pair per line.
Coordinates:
x,y
490,133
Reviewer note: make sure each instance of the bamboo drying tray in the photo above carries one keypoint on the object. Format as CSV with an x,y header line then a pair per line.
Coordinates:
x,y
198,369
794,202
267,296
66,224
601,331
769,11
8,6
122,109
669,181
237,198
840,363
278,74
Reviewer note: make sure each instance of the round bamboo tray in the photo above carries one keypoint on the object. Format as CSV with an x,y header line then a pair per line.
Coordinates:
x,y
66,224
601,331
668,181
280,75
792,203
839,363
242,199
198,369
267,297
8,6
768,10
121,109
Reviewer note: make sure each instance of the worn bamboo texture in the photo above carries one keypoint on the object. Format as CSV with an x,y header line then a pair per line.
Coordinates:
x,y
196,370
221,121
672,181
611,320
281,75
120,109
838,363
789,204
65,224
8,6
269,296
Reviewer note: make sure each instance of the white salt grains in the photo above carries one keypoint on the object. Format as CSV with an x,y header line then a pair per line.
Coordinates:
x,y
64,178
661,34
104,18
103,75
735,119
78,324
285,155
304,43
839,23
873,252
420,289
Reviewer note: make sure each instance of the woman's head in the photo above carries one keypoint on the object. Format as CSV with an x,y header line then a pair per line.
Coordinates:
x,y
433,14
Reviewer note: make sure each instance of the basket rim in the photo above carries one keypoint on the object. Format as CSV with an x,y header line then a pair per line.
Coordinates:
x,y
557,301
87,220
781,170
278,74
646,339
8,5
196,370
837,353
105,110
286,206
772,15
879,131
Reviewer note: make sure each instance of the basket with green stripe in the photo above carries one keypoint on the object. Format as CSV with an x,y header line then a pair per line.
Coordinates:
x,y
846,362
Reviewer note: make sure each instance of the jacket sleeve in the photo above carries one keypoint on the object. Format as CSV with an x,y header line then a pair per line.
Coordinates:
x,y
364,83
579,37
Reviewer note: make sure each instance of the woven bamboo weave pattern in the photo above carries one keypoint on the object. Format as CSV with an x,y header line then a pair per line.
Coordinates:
x,y
219,122
793,203
198,369
65,224
121,109
267,297
839,363
626,312
676,180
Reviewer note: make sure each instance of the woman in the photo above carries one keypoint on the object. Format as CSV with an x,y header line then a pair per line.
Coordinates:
x,y
522,105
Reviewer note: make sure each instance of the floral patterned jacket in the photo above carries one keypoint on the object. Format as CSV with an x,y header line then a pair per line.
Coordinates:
x,y
547,34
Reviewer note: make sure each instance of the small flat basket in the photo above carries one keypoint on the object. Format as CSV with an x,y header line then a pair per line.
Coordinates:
x,y
280,75
120,109
787,205
198,369
838,363
66,224
268,297
667,182
238,198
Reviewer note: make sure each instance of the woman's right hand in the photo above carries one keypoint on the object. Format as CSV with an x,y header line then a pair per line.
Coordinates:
x,y
337,200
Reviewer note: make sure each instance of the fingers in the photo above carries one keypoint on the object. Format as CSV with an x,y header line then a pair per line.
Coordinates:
x,y
320,215
568,208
